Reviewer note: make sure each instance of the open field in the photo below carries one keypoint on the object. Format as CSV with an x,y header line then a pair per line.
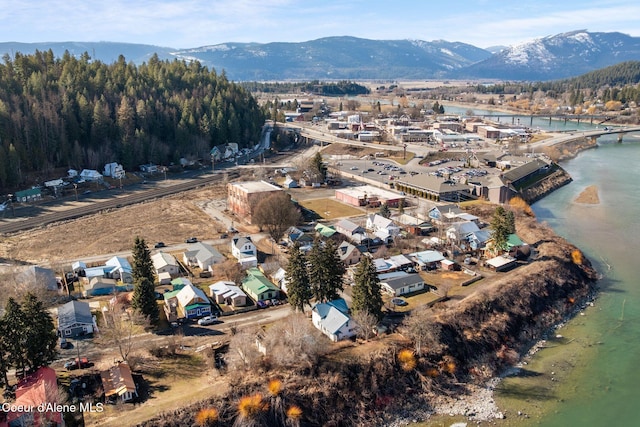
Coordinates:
x,y
328,208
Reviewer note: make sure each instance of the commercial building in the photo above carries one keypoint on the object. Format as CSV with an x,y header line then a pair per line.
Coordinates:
x,y
242,197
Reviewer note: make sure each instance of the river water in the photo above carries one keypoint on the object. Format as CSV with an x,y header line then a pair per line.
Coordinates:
x,y
587,374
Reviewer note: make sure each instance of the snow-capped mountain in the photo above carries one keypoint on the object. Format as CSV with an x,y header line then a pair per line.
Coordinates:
x,y
563,55
350,58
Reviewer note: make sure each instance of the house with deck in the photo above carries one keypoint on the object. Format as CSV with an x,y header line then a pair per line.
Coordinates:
x,y
75,319
225,292
258,287
245,251
185,301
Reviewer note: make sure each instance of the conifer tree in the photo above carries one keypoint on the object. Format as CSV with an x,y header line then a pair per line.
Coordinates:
x,y
144,300
40,337
367,294
13,336
325,271
298,287
385,211
142,266
499,229
4,356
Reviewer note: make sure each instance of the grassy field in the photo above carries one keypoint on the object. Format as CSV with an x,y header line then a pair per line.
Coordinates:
x,y
330,208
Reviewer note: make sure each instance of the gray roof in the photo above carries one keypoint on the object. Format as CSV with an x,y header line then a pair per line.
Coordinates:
x,y
402,281
523,171
74,312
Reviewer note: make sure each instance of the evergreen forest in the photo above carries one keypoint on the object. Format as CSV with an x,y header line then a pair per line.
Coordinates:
x,y
75,112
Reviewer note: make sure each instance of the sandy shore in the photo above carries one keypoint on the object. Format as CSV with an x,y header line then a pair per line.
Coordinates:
x,y
589,196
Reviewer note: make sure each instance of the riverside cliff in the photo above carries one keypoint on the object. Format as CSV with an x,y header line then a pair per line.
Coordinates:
x,y
445,355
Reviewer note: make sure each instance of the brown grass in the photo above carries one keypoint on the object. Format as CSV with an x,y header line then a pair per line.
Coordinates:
x,y
330,208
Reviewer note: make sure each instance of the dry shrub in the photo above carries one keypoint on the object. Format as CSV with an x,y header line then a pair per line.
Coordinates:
x,y
275,387
577,257
519,205
207,417
432,372
294,412
407,360
251,407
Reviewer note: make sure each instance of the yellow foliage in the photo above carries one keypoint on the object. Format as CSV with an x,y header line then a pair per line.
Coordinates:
x,y
275,387
251,406
294,413
407,360
518,203
207,417
577,257
432,372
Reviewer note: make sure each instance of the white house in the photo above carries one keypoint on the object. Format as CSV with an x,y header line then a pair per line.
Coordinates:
x,y
75,319
245,251
382,227
203,256
403,284
113,170
458,231
90,175
165,263
279,278
228,293
332,319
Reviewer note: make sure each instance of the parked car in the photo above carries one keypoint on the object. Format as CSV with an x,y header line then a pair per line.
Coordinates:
x,y
399,302
207,320
64,344
261,304
77,363
192,240
160,245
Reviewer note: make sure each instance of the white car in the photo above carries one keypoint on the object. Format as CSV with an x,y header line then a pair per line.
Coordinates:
x,y
207,320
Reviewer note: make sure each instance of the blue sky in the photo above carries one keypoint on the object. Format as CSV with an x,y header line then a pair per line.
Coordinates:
x,y
195,23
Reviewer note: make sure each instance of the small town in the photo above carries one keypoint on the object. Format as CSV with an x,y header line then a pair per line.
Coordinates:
x,y
400,219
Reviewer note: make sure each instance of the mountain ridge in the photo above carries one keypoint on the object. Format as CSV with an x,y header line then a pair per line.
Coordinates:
x,y
557,56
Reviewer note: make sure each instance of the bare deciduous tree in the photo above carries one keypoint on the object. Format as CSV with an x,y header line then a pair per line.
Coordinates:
x,y
421,328
293,341
243,345
366,324
119,327
276,213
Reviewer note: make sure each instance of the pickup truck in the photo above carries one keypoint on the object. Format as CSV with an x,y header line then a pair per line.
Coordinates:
x,y
77,363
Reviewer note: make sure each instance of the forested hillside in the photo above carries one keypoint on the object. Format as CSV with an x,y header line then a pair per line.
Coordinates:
x,y
81,113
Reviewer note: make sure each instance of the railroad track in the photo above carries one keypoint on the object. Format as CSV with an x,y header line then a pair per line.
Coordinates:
x,y
49,218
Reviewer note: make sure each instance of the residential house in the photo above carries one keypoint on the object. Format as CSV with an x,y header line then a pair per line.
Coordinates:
x,y
383,265
427,260
402,262
30,195
185,301
279,278
325,231
90,175
97,286
289,182
118,384
402,284
458,231
478,239
332,319
448,265
37,397
501,263
349,254
382,227
202,255
444,213
351,230
165,263
36,275
228,293
75,319
245,251
258,287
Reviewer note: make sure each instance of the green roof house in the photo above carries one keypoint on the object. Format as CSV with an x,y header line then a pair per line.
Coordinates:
x,y
258,287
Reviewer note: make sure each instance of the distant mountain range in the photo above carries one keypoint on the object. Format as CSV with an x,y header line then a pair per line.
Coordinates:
x,y
350,58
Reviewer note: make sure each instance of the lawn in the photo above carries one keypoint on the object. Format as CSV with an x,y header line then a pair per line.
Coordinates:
x,y
328,208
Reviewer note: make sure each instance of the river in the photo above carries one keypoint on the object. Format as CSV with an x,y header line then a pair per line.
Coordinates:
x,y
587,373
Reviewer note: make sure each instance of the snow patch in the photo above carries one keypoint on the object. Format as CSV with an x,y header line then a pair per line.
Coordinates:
x,y
446,52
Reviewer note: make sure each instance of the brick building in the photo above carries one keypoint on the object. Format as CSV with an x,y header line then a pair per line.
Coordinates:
x,y
243,196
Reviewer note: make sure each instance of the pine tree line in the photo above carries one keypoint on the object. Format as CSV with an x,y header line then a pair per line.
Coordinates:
x,y
82,113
